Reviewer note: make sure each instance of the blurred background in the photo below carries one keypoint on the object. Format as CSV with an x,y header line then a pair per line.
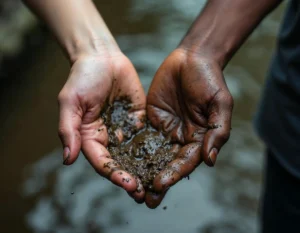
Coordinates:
x,y
40,195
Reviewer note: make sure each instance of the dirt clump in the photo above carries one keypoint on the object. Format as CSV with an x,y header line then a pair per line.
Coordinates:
x,y
143,153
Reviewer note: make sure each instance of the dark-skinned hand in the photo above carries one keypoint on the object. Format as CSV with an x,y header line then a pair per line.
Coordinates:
x,y
189,100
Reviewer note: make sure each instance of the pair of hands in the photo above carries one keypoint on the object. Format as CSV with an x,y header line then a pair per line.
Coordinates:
x,y
188,97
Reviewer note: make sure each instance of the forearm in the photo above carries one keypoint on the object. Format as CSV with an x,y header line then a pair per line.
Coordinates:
x,y
76,24
223,26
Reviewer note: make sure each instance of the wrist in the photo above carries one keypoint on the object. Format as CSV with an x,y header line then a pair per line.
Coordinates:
x,y
90,43
205,50
223,26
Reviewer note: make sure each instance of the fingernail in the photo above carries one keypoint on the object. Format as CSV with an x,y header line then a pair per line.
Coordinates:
x,y
66,155
212,157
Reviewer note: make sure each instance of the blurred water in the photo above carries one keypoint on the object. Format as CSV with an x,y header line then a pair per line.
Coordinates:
x,y
75,199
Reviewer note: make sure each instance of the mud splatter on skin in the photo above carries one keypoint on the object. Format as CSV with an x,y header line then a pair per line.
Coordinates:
x,y
214,126
143,153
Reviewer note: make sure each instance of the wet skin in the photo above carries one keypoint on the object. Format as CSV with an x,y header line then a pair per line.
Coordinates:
x,y
93,82
189,103
189,100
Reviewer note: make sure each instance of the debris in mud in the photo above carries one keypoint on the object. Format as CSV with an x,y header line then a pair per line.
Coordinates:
x,y
214,126
143,153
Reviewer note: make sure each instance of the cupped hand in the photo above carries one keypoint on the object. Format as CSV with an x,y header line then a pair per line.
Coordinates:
x,y
93,82
189,100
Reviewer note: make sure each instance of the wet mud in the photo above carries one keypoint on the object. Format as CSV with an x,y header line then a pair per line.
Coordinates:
x,y
144,152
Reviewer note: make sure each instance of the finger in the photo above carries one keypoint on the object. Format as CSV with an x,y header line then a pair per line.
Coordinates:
x,y
69,126
139,194
153,200
219,125
187,159
100,159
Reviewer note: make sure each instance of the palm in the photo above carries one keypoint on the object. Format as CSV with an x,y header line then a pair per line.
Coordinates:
x,y
186,99
93,82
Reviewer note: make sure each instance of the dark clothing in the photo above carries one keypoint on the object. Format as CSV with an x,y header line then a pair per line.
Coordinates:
x,y
281,202
278,124
278,119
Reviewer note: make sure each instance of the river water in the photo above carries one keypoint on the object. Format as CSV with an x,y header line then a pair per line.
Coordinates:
x,y
41,195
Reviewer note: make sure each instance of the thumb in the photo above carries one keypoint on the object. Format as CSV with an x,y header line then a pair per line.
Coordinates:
x,y
219,125
69,126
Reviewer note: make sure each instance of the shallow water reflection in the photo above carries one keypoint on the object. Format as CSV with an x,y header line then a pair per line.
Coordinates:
x,y
75,199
